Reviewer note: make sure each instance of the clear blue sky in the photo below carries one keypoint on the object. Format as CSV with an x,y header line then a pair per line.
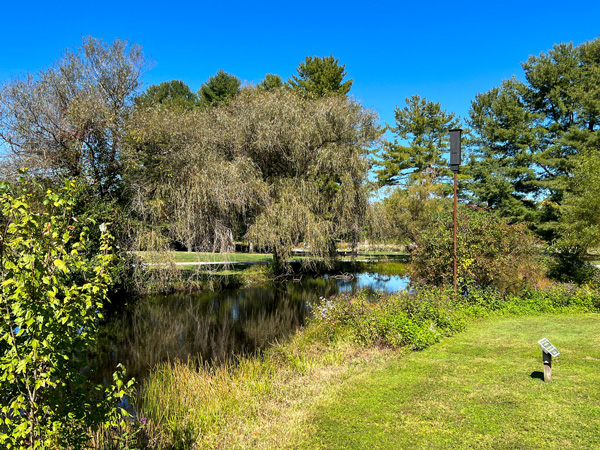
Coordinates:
x,y
445,51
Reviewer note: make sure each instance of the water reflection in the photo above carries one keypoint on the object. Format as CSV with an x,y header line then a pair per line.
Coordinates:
x,y
214,326
374,281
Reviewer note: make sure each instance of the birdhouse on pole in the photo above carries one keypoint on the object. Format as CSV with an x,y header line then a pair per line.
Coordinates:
x,y
455,138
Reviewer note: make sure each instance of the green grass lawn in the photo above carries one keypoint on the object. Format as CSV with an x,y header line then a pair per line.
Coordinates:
x,y
194,257
182,257
482,389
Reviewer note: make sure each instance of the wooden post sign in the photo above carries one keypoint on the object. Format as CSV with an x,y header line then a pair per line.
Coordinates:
x,y
548,351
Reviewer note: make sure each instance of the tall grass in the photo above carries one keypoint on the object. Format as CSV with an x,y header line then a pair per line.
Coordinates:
x,y
195,405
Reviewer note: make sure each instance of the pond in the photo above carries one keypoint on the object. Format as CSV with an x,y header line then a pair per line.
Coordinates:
x,y
215,326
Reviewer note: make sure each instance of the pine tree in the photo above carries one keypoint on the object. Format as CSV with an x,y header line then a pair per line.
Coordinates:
x,y
529,135
219,89
422,127
173,93
271,81
318,77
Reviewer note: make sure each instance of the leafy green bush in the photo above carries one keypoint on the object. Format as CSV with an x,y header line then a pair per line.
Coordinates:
x,y
414,320
420,318
491,253
556,297
51,301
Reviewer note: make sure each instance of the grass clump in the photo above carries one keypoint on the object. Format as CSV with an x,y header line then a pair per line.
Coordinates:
x,y
402,320
247,404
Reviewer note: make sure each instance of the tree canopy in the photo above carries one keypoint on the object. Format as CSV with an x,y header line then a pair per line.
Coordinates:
x,y
218,89
318,77
69,120
529,135
270,167
173,93
422,127
271,81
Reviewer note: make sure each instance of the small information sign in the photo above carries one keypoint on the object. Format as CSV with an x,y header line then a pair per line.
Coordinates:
x,y
547,347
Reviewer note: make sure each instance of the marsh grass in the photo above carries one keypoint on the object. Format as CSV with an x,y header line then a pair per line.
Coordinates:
x,y
255,402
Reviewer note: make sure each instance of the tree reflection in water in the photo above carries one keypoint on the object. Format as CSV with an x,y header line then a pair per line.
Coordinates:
x,y
210,326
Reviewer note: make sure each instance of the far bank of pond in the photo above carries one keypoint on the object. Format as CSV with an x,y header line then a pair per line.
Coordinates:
x,y
214,326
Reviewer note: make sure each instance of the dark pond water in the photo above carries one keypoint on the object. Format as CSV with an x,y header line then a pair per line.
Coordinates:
x,y
214,326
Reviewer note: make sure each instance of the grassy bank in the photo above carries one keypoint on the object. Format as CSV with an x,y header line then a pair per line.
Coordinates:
x,y
481,389
269,400
195,257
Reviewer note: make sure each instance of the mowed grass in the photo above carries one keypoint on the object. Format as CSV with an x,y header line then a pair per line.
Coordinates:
x,y
481,389
195,257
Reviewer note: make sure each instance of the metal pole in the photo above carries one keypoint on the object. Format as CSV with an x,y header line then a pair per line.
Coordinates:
x,y
455,140
455,257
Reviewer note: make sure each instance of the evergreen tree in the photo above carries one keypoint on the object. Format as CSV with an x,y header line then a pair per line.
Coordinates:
x,y
580,221
271,81
502,168
219,89
318,77
423,128
531,134
173,93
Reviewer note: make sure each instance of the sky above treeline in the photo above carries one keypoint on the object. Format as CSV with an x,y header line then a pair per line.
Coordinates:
x,y
444,51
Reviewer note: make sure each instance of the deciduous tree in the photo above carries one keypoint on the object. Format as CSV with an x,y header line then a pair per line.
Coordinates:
x,y
69,120
270,167
51,298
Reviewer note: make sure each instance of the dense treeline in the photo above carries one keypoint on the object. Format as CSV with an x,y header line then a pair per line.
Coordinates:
x,y
275,165
532,148
285,163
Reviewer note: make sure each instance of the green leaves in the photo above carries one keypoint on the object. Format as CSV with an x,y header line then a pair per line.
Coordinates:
x,y
49,321
61,265
273,167
491,253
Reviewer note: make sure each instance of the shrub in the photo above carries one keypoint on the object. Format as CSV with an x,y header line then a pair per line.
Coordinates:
x,y
568,265
51,298
414,320
491,253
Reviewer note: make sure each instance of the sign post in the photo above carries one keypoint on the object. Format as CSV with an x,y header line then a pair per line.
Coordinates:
x,y
455,139
548,351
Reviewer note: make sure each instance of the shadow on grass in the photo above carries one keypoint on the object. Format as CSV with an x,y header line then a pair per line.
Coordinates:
x,y
537,375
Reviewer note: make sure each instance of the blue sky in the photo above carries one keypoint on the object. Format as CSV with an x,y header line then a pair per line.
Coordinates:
x,y
444,51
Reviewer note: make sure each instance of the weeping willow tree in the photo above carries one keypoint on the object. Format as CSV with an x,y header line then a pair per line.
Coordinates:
x,y
183,186
268,167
